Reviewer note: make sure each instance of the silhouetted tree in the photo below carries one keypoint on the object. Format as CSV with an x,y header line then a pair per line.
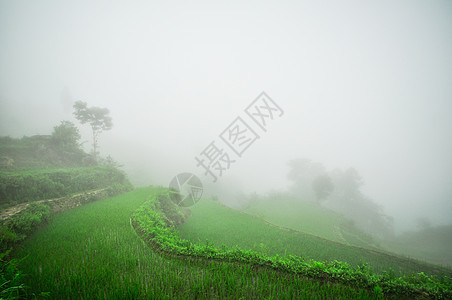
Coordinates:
x,y
348,200
96,117
340,191
322,186
302,173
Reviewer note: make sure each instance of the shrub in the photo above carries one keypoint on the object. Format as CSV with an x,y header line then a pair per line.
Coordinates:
x,y
17,227
11,286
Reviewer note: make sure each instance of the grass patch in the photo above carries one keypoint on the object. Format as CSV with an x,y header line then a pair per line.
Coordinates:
x,y
220,225
309,217
26,186
150,222
93,252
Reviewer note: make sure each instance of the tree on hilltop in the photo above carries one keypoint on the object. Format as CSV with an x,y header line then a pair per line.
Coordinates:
x,y
98,118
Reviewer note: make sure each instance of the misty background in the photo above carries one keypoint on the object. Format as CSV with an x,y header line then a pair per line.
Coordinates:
x,y
363,84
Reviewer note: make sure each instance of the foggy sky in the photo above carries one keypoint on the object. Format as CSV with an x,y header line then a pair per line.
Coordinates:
x,y
364,84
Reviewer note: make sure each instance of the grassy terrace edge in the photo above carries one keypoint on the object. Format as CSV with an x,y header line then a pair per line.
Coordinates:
x,y
24,186
155,222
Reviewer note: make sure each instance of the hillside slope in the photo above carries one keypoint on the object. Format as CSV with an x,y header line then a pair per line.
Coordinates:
x,y
37,152
19,186
40,167
431,244
212,221
311,218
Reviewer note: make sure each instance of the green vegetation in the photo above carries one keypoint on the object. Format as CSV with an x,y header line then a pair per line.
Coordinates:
x,y
152,223
221,225
11,286
20,221
43,151
308,217
432,244
12,231
98,118
19,226
97,254
341,192
25,186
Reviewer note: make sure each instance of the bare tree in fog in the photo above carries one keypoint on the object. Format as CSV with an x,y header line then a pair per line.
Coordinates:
x,y
98,119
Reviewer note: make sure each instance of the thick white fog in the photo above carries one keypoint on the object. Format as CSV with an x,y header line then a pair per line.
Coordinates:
x,y
363,84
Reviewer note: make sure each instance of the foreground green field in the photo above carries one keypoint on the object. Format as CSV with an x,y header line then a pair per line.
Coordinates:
x,y
221,225
92,252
